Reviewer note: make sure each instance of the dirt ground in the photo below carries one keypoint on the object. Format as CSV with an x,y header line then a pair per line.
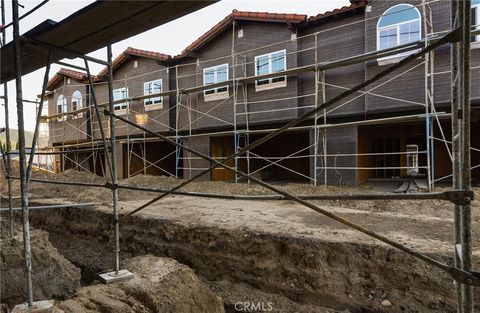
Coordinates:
x,y
53,275
275,248
158,285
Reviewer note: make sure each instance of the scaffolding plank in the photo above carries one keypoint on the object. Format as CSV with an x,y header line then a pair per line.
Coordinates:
x,y
91,28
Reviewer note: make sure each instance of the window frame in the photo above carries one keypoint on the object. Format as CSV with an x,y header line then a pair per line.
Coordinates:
x,y
154,105
64,107
79,104
121,110
397,57
217,93
271,84
476,8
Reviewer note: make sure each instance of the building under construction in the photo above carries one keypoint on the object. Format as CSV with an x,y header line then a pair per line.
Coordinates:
x,y
393,130
383,91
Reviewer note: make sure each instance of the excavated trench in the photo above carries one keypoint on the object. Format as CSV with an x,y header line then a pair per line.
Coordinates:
x,y
294,273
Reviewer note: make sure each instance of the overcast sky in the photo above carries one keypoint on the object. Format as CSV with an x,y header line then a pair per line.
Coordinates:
x,y
170,38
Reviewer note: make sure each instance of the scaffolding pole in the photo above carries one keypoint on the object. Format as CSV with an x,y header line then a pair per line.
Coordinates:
x,y
460,64
113,150
22,154
8,144
429,92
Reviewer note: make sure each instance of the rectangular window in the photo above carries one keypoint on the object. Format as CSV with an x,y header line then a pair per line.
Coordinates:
x,y
409,32
150,88
120,94
267,64
77,105
388,38
214,75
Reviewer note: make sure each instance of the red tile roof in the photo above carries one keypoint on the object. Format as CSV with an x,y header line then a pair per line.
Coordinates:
x,y
355,4
119,60
65,72
239,15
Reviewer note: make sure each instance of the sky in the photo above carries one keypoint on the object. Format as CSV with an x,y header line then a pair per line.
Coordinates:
x,y
170,38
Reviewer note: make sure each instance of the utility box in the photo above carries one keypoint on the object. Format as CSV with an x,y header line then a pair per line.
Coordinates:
x,y
412,160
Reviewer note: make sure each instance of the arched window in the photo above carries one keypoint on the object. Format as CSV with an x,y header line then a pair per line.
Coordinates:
x,y
61,104
76,100
398,25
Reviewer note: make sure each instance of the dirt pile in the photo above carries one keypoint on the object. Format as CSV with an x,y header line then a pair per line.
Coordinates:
x,y
53,275
159,285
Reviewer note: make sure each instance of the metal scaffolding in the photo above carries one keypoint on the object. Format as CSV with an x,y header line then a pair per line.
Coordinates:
x,y
240,128
460,195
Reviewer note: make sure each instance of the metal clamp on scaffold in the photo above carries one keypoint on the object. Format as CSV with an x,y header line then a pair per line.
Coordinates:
x,y
465,277
460,197
111,186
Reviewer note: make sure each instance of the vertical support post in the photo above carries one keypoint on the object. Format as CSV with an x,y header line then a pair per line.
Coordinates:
x,y
432,150
315,119
467,290
8,144
236,139
247,122
427,141
22,155
324,133
460,63
177,118
113,164
429,89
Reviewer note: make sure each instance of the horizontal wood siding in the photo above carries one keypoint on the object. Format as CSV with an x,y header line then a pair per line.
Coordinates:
x,y
194,165
134,78
336,39
68,129
341,140
219,113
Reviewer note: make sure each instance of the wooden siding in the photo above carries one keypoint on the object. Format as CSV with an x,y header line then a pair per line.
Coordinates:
x,y
134,78
69,129
335,41
341,140
196,164
221,111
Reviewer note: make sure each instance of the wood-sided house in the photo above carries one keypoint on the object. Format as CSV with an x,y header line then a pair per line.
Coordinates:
x,y
365,136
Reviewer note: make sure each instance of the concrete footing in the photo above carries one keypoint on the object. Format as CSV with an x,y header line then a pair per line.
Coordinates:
x,y
45,306
112,277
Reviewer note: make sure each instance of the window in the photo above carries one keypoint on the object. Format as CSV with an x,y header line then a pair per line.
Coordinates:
x,y
119,94
150,88
62,106
270,63
476,18
77,103
213,75
399,25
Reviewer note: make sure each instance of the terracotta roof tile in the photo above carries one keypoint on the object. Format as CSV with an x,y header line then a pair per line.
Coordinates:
x,y
243,15
119,60
352,7
65,72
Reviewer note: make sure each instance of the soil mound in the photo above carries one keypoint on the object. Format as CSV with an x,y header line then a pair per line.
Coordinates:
x,y
54,277
159,285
